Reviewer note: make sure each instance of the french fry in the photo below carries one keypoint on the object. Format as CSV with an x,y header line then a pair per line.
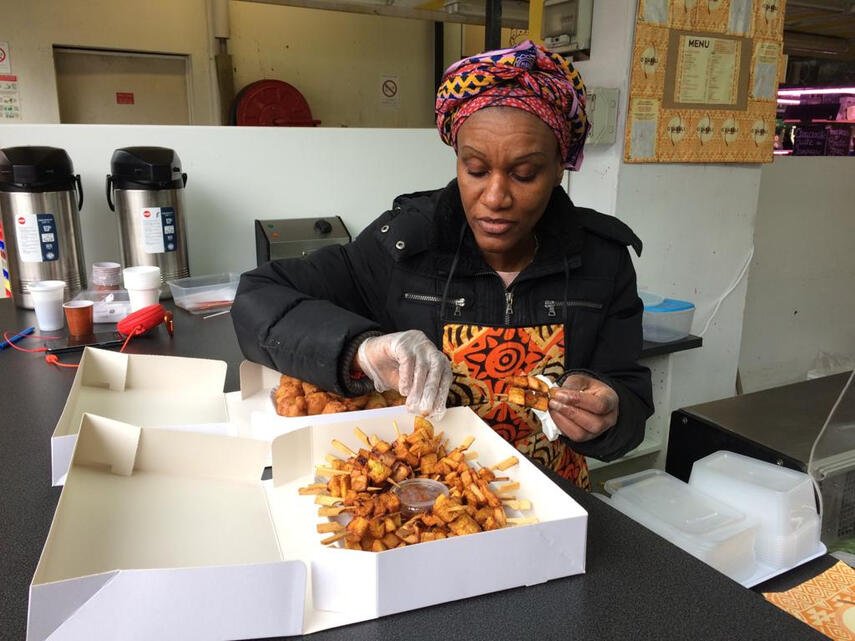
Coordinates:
x,y
508,462
331,526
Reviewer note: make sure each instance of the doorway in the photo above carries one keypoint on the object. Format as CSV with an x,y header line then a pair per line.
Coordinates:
x,y
122,87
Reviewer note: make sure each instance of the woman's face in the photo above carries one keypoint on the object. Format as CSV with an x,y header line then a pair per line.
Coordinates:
x,y
507,167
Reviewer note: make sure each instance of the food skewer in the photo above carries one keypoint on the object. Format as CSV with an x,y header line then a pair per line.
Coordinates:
x,y
314,488
328,501
526,520
335,537
362,436
341,447
507,463
330,526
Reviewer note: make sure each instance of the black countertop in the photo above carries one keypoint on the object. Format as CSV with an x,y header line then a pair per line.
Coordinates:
x,y
649,348
637,586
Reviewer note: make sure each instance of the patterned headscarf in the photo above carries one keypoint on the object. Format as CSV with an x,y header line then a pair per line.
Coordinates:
x,y
528,77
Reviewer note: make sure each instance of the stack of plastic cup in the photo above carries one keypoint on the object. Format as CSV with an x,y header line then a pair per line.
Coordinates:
x,y
47,298
106,276
143,285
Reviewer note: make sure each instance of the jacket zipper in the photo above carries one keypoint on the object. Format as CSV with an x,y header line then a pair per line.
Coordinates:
x,y
509,306
550,305
459,303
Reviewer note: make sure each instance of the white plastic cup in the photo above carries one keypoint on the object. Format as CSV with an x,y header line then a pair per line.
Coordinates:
x,y
143,285
47,298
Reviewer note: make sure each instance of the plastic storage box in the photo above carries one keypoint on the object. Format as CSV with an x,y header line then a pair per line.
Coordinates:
x,y
205,294
670,320
109,306
779,499
719,535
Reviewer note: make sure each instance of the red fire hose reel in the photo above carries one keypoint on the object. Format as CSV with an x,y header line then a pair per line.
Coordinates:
x,y
271,103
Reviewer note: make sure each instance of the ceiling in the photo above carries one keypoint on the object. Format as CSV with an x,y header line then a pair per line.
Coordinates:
x,y
820,28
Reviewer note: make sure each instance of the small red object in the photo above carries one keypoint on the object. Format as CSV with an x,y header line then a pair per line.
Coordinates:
x,y
142,320
124,98
272,103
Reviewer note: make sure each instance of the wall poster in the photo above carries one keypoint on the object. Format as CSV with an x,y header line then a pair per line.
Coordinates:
x,y
704,81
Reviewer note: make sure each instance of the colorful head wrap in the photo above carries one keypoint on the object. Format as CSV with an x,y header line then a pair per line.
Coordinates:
x,y
528,77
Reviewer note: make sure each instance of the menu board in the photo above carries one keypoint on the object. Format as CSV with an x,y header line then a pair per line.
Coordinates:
x,y
810,141
704,81
837,143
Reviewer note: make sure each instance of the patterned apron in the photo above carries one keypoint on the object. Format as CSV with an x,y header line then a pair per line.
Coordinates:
x,y
482,357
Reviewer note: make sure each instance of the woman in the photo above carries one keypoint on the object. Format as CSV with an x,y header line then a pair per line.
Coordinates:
x,y
498,274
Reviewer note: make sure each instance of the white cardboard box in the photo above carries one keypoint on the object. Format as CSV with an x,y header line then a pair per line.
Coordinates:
x,y
253,410
152,391
179,524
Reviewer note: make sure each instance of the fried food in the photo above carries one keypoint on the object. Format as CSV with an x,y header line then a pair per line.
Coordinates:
x,y
364,488
528,391
317,401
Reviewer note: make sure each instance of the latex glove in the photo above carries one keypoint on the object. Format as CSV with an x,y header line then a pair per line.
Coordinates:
x,y
584,407
411,363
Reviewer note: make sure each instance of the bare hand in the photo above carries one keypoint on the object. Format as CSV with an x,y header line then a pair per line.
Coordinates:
x,y
583,407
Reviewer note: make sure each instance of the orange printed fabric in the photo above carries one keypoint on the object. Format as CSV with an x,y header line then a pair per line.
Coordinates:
x,y
482,357
826,602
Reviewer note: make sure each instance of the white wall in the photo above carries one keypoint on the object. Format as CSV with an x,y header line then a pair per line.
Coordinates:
x,y
801,287
236,175
33,27
696,221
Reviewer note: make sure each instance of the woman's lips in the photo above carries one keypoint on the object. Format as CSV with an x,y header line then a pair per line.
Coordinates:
x,y
494,226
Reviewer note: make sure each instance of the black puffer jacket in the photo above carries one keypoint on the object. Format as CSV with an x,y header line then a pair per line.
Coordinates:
x,y
301,316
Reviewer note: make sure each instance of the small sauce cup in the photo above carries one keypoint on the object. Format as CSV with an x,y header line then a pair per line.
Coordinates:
x,y
418,495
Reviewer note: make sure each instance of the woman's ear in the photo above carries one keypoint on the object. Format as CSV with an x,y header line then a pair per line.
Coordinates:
x,y
559,173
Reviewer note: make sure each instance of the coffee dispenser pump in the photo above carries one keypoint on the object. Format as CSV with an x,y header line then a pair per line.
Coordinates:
x,y
146,190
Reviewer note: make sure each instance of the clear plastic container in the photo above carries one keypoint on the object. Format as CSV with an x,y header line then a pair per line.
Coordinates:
x,y
418,495
205,294
668,321
717,534
780,499
110,306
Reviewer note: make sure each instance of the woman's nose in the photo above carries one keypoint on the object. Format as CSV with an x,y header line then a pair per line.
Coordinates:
x,y
496,195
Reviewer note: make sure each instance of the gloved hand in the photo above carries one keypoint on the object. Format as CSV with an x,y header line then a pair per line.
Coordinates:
x,y
409,362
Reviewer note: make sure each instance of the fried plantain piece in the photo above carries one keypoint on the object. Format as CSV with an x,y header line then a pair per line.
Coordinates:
x,y
464,524
393,398
358,526
334,407
297,407
308,388
316,402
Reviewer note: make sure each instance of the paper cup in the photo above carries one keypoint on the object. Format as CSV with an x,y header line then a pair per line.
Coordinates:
x,y
143,285
106,276
47,298
79,315
143,297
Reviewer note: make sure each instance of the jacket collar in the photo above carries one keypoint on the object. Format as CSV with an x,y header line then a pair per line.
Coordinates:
x,y
559,232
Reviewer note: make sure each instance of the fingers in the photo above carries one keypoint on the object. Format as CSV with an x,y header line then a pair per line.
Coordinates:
x,y
577,382
578,424
596,403
432,390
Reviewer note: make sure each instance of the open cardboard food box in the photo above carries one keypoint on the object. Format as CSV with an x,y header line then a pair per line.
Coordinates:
x,y
176,393
172,535
152,391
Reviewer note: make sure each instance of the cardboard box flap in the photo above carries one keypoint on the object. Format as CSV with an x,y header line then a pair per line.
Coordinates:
x,y
113,446
57,602
150,391
255,378
190,500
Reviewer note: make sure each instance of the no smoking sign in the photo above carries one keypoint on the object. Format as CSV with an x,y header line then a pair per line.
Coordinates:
x,y
390,90
5,63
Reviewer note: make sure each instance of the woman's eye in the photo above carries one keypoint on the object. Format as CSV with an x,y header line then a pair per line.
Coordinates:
x,y
479,173
524,178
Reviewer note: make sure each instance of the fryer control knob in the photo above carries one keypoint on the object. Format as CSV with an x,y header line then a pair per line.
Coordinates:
x,y
322,226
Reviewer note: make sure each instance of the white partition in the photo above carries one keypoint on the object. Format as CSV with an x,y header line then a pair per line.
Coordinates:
x,y
236,175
